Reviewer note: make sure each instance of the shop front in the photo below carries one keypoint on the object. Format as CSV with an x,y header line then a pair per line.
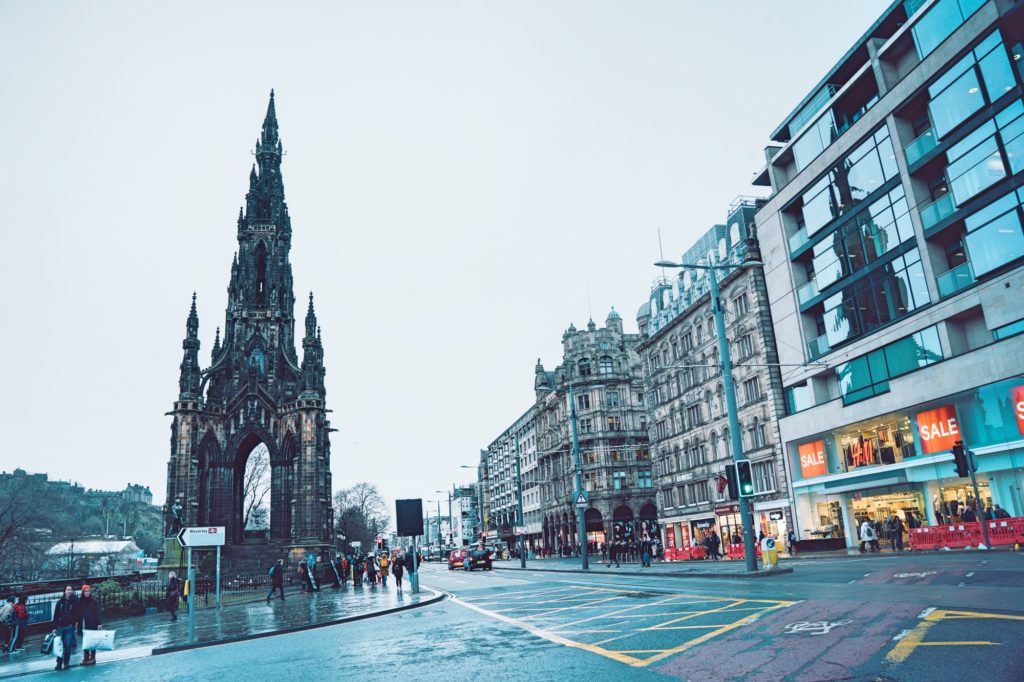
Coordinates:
x,y
900,466
700,528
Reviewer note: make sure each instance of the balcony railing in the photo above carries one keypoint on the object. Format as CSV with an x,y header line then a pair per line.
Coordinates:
x,y
807,291
924,143
938,210
798,239
818,347
955,279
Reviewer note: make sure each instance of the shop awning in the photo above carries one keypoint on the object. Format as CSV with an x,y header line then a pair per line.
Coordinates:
x,y
865,483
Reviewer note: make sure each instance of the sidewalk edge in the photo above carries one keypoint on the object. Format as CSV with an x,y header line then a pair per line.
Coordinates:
x,y
661,574
438,596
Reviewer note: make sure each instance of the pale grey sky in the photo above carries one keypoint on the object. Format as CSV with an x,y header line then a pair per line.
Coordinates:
x,y
457,173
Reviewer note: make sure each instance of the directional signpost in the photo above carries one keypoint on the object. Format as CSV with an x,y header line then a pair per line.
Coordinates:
x,y
206,536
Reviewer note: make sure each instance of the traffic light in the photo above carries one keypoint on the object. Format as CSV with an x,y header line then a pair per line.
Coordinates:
x,y
745,478
960,459
732,483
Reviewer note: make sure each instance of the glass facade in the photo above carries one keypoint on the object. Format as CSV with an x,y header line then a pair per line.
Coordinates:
x,y
869,375
944,17
889,293
882,227
994,234
856,176
980,78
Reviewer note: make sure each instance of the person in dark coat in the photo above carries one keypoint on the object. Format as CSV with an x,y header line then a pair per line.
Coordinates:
x,y
172,595
276,580
88,619
397,569
65,617
613,555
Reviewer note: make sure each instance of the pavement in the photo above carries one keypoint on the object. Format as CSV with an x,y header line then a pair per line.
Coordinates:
x,y
146,635
881,617
723,568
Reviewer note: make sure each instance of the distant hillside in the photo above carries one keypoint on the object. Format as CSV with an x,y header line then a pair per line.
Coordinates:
x,y
36,513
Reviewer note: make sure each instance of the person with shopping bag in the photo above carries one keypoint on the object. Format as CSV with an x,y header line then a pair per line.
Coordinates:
x,y
65,617
88,620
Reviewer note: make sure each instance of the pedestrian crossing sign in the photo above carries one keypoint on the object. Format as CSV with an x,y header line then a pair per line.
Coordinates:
x,y
581,500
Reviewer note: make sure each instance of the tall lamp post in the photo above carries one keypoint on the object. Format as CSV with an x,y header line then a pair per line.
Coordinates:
x,y
730,388
451,527
519,506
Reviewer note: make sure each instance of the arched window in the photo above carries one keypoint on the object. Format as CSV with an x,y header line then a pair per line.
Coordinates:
x,y
708,404
584,367
605,365
720,399
715,454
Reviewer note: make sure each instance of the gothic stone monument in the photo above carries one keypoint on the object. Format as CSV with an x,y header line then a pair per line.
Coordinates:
x,y
254,391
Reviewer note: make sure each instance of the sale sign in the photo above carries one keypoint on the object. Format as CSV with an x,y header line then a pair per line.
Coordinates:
x,y
812,459
1018,406
939,429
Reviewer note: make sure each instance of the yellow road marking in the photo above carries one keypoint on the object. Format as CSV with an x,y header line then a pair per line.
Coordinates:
x,y
577,606
694,614
915,638
613,614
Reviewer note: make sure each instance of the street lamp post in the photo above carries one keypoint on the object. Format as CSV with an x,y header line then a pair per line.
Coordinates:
x,y
730,390
451,526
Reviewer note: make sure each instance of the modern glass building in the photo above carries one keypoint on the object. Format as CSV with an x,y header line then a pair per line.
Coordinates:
x,y
894,254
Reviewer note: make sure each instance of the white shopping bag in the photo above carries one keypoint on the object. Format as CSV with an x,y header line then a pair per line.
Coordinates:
x,y
58,646
102,640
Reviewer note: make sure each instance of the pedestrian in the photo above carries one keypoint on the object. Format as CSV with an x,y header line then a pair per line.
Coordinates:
x,y
604,552
645,553
357,571
989,514
304,577
397,568
173,594
968,515
276,580
88,619
346,569
1000,513
20,623
311,577
384,563
868,538
791,542
318,572
716,545
613,555
895,528
6,623
65,617
371,570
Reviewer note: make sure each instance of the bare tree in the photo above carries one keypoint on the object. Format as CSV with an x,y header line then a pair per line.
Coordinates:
x,y
360,513
19,511
256,487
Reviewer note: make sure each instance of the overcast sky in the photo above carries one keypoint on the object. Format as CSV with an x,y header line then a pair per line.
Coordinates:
x,y
459,176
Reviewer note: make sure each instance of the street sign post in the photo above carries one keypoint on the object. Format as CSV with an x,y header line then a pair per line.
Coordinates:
x,y
580,498
204,536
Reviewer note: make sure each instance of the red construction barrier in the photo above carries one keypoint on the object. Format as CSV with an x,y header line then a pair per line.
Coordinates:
x,y
1005,531
738,551
696,553
960,535
928,537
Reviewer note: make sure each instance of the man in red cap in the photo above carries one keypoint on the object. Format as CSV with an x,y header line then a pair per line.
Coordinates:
x,y
89,619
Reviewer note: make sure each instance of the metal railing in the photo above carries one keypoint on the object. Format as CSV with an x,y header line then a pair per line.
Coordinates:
x,y
924,143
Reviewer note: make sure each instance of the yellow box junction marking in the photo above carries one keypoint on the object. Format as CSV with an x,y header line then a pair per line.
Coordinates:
x,y
915,638
559,602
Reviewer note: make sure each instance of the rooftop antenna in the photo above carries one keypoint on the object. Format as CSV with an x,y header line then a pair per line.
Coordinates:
x,y
590,313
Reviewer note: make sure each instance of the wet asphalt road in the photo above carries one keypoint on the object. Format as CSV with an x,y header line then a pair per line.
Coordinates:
x,y
914,617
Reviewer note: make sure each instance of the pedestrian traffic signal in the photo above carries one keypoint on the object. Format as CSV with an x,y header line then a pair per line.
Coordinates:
x,y
960,459
745,478
731,482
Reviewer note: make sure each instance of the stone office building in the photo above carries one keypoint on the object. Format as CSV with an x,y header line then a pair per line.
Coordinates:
x,y
685,399
604,369
894,248
518,440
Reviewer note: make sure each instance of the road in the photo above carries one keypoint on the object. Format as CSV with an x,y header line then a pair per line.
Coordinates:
x,y
915,617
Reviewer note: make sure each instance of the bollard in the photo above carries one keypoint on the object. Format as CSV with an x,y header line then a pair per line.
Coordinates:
x,y
769,554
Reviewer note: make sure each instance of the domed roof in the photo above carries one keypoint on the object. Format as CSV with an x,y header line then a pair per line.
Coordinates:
x,y
613,315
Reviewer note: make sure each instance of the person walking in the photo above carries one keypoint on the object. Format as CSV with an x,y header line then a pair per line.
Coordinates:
x,y
645,553
371,570
172,595
397,568
716,545
384,563
88,619
791,542
65,617
20,623
6,623
1000,513
867,536
276,580
613,555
